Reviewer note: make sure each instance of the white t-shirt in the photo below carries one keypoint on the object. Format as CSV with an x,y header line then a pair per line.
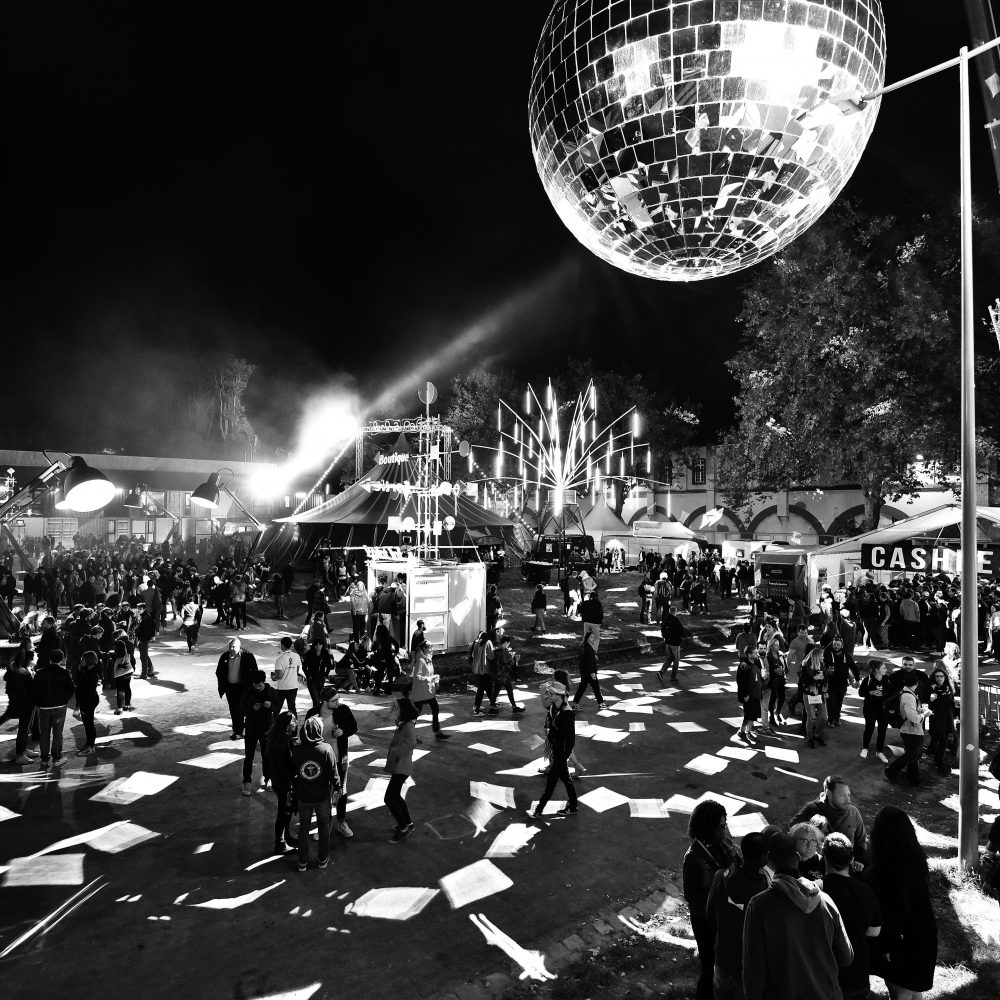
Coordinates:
x,y
287,667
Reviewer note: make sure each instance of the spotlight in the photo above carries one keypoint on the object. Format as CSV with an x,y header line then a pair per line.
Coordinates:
x,y
207,495
86,489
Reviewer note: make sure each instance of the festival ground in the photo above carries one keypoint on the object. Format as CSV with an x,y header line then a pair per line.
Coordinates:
x,y
184,896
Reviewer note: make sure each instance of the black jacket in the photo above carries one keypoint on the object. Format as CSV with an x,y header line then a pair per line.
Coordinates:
x,y
52,686
248,667
561,730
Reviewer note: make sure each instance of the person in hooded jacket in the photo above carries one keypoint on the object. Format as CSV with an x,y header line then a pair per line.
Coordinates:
x,y
794,939
316,782
725,911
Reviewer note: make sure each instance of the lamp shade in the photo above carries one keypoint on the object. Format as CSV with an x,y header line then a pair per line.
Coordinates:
x,y
85,488
134,499
207,495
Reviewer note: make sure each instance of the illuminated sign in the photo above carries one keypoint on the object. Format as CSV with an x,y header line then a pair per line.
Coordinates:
x,y
646,529
394,459
906,557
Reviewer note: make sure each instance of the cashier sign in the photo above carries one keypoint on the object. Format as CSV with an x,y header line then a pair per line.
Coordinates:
x,y
907,557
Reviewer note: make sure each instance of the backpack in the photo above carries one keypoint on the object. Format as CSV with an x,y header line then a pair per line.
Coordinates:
x,y
893,713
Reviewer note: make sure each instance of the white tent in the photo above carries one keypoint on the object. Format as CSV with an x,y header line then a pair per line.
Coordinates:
x,y
840,564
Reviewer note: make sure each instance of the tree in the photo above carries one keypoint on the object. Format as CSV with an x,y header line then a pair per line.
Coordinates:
x,y
230,377
850,363
474,397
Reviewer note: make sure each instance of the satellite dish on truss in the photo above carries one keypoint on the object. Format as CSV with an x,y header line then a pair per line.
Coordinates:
x,y
449,523
464,448
427,393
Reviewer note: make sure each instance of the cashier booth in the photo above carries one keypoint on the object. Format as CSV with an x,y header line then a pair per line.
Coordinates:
x,y
450,597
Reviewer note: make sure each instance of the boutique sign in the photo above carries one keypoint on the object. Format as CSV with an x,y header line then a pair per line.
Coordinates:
x,y
907,557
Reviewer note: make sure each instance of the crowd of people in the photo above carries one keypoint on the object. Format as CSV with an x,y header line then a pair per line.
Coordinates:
x,y
813,908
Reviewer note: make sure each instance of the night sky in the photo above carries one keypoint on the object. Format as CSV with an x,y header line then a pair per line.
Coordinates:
x,y
343,194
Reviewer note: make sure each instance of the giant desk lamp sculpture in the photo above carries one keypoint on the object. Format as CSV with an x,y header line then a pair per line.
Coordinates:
x,y
84,489
207,497
141,499
697,139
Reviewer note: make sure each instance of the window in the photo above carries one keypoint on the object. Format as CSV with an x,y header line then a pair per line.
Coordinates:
x,y
698,472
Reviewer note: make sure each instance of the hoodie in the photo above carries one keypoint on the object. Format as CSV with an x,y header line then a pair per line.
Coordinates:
x,y
794,943
315,766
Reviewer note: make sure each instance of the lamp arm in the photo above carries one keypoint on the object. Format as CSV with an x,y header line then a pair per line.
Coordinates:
x,y
257,524
173,517
22,499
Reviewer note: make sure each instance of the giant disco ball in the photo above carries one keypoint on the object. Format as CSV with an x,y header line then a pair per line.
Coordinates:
x,y
689,140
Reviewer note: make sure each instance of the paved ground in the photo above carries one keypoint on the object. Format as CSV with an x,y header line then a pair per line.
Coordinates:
x,y
201,906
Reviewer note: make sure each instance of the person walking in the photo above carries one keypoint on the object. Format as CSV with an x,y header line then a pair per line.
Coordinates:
x,y
859,910
814,689
234,673
482,654
711,850
286,675
316,782
673,635
592,616
874,687
399,765
505,672
52,688
726,909
191,614
794,939
911,731
560,734
257,708
904,953
277,588
538,606
425,686
282,765
588,672
315,666
840,668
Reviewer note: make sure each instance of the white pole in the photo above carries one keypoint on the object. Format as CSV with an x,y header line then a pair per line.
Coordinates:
x,y
968,782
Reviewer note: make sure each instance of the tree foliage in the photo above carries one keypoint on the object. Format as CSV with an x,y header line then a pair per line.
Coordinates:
x,y
472,406
230,378
850,363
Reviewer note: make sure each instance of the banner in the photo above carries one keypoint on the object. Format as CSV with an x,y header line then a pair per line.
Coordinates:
x,y
906,557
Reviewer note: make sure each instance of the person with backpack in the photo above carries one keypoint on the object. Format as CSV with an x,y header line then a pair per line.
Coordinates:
x,y
663,594
481,655
673,635
911,729
874,690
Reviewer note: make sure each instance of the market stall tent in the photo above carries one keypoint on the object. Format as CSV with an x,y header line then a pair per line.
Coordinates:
x,y
839,565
